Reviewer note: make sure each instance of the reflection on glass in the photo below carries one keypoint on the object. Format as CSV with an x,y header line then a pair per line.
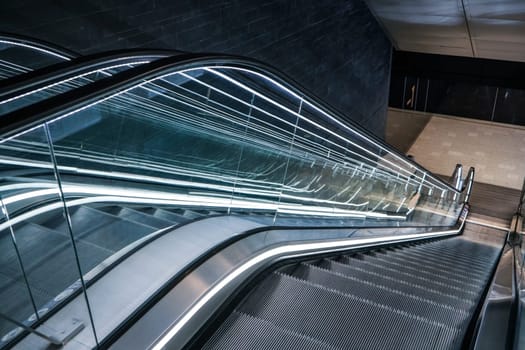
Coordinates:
x,y
199,142
37,263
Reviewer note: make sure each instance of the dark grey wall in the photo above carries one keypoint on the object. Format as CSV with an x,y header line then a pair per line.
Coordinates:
x,y
461,86
333,48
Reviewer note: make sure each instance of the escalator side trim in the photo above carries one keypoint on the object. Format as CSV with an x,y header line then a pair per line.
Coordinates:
x,y
285,252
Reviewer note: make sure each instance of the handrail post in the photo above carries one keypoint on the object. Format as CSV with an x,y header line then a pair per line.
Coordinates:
x,y
470,181
522,199
457,177
457,180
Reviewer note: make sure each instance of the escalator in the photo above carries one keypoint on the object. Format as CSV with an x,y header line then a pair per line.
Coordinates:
x,y
416,296
203,201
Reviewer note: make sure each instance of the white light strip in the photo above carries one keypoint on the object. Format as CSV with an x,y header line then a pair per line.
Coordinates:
x,y
102,194
341,124
84,107
317,125
27,46
189,184
100,70
287,250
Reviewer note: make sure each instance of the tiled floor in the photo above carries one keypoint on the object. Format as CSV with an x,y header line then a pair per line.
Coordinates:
x,y
497,151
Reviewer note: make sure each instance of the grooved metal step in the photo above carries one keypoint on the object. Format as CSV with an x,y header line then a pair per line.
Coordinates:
x,y
331,316
138,216
257,331
421,263
406,285
400,273
414,304
422,269
381,299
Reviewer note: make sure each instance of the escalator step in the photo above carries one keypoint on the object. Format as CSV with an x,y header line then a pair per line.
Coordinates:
x,y
16,301
424,269
192,214
445,258
414,304
443,268
460,250
47,257
406,286
256,333
138,216
168,215
340,319
414,296
101,229
401,274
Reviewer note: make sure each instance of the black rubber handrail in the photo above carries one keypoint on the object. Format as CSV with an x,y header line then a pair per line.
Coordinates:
x,y
40,78
31,116
38,44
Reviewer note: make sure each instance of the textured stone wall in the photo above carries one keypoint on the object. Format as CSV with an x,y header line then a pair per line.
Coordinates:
x,y
334,48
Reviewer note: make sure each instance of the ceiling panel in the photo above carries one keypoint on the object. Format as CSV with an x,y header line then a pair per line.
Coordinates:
x,y
502,55
435,26
492,45
497,30
497,9
426,40
472,28
438,50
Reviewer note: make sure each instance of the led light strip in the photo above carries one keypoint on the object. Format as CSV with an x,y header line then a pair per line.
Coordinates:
x,y
341,124
3,41
65,81
292,250
317,125
101,194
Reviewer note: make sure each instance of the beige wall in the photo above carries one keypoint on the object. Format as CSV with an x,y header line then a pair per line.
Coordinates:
x,y
403,127
497,151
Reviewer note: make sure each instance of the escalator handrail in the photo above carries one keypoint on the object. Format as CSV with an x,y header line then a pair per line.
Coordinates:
x,y
182,326
38,79
469,180
39,45
67,103
520,210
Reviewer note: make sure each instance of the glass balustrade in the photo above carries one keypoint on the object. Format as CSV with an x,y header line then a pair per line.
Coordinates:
x,y
208,139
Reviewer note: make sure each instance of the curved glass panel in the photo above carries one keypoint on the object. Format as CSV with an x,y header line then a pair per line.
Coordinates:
x,y
37,261
211,140
219,139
